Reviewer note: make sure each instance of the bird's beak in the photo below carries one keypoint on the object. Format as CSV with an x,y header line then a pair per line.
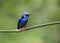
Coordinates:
x,y
30,14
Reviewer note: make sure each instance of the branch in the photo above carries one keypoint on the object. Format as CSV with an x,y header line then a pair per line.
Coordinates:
x,y
32,27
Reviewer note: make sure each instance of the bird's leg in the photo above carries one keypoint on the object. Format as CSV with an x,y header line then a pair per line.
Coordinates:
x,y
20,29
25,28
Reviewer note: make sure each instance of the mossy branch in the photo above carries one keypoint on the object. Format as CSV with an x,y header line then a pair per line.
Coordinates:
x,y
32,27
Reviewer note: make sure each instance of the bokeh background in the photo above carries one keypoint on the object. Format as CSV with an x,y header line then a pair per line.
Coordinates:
x,y
43,11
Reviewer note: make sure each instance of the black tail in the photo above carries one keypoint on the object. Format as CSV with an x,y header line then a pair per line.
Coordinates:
x,y
18,25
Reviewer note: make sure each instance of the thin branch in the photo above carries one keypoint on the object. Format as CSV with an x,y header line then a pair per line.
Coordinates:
x,y
32,27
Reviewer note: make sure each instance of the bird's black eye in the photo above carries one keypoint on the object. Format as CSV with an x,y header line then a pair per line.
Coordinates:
x,y
22,17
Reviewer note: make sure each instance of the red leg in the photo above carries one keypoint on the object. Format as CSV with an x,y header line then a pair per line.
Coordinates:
x,y
25,28
20,29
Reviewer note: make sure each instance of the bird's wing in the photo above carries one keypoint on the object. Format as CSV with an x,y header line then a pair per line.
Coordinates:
x,y
23,22
18,24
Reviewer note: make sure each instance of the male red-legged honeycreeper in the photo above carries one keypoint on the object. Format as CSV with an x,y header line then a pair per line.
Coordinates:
x,y
23,21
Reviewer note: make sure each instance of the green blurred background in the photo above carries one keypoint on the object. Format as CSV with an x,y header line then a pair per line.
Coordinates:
x,y
43,11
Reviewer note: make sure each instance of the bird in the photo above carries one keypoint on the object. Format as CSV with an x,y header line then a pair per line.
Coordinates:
x,y
22,22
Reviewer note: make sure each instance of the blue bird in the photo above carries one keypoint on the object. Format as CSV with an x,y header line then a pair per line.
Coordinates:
x,y
23,21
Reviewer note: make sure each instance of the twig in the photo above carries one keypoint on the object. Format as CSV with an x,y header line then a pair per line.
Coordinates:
x,y
32,27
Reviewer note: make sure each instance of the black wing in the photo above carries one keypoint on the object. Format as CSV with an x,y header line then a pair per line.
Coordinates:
x,y
19,22
18,26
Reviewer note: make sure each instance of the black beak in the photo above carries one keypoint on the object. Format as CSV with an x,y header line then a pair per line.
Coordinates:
x,y
30,14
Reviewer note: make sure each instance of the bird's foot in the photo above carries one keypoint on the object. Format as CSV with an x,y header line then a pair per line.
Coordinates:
x,y
20,30
25,28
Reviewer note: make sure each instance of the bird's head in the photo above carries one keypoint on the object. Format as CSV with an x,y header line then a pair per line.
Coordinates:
x,y
26,14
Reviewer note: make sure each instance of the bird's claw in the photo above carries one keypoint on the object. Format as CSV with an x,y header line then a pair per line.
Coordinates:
x,y
20,30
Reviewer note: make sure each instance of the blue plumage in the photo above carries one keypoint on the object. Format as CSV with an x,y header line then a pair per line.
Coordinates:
x,y
23,21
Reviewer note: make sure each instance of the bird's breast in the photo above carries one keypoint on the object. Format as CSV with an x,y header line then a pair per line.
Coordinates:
x,y
25,19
